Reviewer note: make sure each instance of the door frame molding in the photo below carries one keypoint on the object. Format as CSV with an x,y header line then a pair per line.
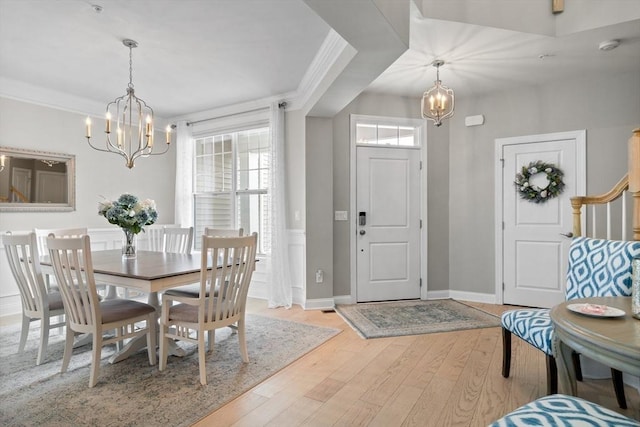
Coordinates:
x,y
420,124
580,136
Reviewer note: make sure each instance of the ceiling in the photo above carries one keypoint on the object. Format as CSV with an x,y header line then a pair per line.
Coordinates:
x,y
197,55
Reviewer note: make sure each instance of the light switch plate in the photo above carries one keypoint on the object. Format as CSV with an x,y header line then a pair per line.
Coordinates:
x,y
341,216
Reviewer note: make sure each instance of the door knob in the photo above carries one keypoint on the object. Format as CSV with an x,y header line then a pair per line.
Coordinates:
x,y
569,234
362,232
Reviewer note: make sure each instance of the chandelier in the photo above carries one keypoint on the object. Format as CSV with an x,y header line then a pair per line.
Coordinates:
x,y
132,120
438,101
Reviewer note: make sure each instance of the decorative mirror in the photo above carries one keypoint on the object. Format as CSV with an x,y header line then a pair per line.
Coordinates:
x,y
36,181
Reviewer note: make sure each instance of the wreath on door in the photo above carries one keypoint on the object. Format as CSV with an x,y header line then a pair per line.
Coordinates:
x,y
532,192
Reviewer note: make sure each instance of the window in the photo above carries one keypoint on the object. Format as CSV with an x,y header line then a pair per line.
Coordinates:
x,y
386,134
231,182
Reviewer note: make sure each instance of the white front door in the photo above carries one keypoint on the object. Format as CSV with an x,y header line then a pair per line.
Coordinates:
x,y
388,223
534,235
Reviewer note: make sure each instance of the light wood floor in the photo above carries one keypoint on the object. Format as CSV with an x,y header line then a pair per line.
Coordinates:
x,y
446,379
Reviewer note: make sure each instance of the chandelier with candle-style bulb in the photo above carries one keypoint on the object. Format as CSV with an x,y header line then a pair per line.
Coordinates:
x,y
438,101
131,119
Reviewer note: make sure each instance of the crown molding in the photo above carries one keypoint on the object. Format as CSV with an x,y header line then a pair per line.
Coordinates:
x,y
38,95
329,53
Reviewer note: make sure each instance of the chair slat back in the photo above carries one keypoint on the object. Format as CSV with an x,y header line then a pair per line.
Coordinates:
x,y
223,232
178,239
154,238
43,233
71,261
600,268
232,278
24,262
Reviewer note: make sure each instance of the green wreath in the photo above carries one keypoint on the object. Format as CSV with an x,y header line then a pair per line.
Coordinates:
x,y
533,193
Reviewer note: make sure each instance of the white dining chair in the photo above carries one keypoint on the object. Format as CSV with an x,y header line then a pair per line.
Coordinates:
x,y
178,240
85,313
42,234
190,319
38,303
194,290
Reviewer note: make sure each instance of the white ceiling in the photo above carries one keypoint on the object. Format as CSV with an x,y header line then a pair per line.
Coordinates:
x,y
196,55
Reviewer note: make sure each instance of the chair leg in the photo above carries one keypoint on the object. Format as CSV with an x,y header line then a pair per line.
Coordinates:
x,y
211,339
577,365
95,362
44,339
164,343
552,375
202,350
152,333
68,349
242,341
506,352
24,332
618,387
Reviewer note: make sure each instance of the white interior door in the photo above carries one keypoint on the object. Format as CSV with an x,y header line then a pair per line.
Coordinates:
x,y
20,185
388,217
535,245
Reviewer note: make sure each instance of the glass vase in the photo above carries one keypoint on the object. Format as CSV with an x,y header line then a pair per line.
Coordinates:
x,y
129,244
635,288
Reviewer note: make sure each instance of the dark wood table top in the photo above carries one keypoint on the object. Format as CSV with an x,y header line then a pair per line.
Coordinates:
x,y
148,265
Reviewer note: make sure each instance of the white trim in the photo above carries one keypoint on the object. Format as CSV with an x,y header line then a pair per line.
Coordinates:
x,y
473,296
420,125
329,52
463,296
319,304
342,299
580,136
438,295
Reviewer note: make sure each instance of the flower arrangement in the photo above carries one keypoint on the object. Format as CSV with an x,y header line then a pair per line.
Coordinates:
x,y
129,213
533,193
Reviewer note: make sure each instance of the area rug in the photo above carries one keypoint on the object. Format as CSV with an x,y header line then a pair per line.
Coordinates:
x,y
389,319
133,393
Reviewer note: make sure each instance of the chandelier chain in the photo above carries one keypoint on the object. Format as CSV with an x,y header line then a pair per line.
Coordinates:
x,y
130,67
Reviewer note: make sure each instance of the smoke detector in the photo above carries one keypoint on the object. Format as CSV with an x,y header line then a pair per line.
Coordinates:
x,y
609,44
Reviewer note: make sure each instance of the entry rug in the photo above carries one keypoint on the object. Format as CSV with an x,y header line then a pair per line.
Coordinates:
x,y
391,319
133,393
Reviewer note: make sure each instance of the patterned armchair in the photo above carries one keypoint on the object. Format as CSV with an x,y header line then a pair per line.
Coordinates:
x,y
596,268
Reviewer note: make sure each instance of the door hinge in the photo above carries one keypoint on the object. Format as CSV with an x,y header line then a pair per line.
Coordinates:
x,y
420,223
503,286
420,164
502,161
421,282
503,225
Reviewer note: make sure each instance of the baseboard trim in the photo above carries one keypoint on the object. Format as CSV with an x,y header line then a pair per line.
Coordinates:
x,y
473,296
438,295
319,304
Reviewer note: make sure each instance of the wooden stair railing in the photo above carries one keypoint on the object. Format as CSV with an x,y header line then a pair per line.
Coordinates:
x,y
630,182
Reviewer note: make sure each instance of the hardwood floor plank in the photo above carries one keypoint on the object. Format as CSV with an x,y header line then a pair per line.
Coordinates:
x,y
408,381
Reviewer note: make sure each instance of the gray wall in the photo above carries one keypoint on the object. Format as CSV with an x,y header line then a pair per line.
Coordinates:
x,y
557,107
29,126
460,166
319,214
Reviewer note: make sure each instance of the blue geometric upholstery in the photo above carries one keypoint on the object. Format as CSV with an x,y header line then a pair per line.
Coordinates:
x,y
600,268
560,410
597,268
532,325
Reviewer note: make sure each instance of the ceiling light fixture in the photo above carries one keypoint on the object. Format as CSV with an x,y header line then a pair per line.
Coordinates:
x,y
133,137
438,101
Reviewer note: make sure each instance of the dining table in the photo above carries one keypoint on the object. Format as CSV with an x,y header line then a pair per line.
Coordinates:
x,y
601,328
150,272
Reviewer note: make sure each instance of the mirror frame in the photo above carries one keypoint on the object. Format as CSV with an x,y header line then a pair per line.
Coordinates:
x,y
68,159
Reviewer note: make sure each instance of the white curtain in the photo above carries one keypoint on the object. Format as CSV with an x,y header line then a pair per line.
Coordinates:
x,y
279,286
183,213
